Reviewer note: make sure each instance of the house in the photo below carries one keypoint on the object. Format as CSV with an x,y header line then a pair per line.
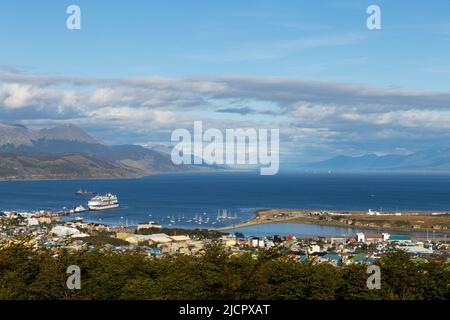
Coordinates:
x,y
313,249
228,241
33,222
302,257
45,220
256,242
336,240
361,258
154,252
333,258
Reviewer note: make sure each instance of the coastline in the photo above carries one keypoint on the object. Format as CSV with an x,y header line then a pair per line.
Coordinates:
x,y
269,216
136,177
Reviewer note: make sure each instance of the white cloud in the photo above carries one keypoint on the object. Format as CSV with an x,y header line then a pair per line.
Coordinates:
x,y
332,115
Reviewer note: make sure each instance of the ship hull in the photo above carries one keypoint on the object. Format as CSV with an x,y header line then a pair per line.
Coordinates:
x,y
100,208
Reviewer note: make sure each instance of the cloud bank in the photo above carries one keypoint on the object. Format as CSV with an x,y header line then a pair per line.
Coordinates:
x,y
317,119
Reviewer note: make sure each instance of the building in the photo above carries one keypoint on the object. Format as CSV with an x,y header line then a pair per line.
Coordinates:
x,y
360,237
361,258
124,235
400,238
419,250
372,238
180,238
148,225
228,241
33,222
333,258
159,238
62,231
314,248
338,240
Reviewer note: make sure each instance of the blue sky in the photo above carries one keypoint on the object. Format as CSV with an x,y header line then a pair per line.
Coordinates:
x,y
309,39
382,91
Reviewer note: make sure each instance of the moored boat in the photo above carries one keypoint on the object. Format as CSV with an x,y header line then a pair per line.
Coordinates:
x,y
85,193
77,219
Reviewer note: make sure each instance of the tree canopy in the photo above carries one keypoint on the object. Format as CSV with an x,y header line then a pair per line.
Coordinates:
x,y
26,273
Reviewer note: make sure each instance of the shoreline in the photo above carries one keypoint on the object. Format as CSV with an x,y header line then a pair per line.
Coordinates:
x,y
137,177
268,216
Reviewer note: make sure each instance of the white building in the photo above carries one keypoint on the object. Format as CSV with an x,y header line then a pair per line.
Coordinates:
x,y
372,213
62,231
360,237
313,248
33,222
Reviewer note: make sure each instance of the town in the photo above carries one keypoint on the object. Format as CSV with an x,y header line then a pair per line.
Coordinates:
x,y
47,230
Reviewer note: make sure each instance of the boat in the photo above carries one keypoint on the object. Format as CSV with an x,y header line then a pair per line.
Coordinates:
x,y
85,193
105,202
80,209
78,219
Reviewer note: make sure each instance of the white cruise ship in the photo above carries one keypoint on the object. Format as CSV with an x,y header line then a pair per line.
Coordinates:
x,y
108,201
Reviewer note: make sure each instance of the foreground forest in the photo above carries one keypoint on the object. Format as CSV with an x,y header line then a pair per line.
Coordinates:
x,y
216,274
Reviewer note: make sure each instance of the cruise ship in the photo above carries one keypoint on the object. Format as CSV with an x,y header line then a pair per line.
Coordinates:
x,y
108,201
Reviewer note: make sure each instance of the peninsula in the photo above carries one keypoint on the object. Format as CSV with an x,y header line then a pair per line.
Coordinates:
x,y
418,221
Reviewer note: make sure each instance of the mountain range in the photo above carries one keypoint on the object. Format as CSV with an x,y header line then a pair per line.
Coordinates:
x,y
67,152
437,160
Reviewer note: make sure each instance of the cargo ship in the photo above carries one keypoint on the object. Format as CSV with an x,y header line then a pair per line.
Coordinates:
x,y
108,201
86,193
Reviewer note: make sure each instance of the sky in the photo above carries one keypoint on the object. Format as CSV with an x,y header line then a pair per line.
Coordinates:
x,y
137,70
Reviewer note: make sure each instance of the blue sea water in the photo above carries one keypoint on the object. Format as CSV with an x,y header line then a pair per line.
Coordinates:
x,y
180,197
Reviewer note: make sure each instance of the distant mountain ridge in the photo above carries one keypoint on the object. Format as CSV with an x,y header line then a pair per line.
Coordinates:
x,y
37,153
67,166
14,135
66,152
426,160
66,132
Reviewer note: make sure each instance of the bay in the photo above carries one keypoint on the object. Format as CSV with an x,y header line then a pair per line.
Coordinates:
x,y
176,199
